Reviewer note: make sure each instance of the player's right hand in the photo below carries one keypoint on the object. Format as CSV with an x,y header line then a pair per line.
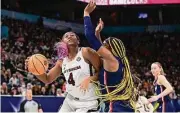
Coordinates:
x,y
84,86
90,7
26,63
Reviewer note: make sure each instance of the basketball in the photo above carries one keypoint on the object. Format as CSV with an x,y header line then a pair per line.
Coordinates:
x,y
38,64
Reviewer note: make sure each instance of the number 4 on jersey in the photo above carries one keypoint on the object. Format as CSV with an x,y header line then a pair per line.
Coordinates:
x,y
71,80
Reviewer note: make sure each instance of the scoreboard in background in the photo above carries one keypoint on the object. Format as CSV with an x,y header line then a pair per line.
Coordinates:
x,y
132,2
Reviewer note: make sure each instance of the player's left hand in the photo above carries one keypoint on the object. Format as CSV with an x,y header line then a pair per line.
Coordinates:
x,y
100,26
85,84
153,98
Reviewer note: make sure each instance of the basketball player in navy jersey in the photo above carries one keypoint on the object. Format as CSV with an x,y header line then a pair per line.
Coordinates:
x,y
162,89
81,95
118,81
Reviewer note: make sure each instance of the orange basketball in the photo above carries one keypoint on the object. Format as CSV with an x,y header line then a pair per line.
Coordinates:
x,y
38,64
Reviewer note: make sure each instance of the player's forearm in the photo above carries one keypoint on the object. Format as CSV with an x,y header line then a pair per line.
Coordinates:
x,y
49,77
53,75
98,35
86,14
43,78
165,92
90,33
94,77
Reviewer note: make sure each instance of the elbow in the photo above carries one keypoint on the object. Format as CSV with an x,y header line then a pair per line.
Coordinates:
x,y
171,89
45,81
48,82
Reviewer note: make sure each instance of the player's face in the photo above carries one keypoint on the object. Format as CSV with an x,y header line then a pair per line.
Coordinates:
x,y
29,94
70,38
155,69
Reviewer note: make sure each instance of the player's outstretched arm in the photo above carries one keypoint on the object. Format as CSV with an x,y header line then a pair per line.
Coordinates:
x,y
49,77
52,75
108,58
90,33
88,27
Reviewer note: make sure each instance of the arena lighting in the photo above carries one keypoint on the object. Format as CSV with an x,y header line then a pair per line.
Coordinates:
x,y
142,15
132,2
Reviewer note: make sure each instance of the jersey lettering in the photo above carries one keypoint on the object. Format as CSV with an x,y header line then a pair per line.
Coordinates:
x,y
72,69
71,80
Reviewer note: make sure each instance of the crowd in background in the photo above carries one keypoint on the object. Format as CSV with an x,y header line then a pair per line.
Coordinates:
x,y
26,39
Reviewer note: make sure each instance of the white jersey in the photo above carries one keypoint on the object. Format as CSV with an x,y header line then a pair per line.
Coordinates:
x,y
75,72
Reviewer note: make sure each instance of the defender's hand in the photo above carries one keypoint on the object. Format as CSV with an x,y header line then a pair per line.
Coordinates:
x,y
100,26
90,7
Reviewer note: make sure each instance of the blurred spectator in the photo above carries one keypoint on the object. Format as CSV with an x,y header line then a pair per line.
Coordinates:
x,y
19,91
64,87
13,91
59,93
30,76
13,81
4,78
29,86
52,91
36,90
4,89
43,91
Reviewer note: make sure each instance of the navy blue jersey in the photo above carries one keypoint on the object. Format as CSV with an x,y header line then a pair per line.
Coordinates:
x,y
165,104
112,79
159,89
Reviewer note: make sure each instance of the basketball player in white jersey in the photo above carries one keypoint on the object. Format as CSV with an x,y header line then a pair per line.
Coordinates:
x,y
81,95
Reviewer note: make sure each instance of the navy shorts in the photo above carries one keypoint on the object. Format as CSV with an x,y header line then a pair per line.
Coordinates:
x,y
166,106
119,106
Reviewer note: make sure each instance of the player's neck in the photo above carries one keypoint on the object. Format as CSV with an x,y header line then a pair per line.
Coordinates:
x,y
72,52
